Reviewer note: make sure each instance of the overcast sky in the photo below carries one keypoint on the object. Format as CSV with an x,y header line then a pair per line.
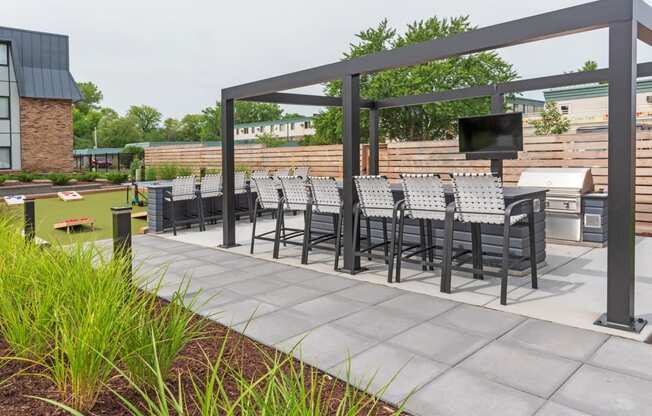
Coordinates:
x,y
177,55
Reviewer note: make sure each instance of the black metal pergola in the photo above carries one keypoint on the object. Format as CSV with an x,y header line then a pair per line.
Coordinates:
x,y
626,20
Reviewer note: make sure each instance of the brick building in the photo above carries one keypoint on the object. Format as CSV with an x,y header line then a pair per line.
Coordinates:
x,y
36,96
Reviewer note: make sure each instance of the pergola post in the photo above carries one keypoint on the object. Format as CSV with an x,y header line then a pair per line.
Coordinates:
x,y
374,126
228,173
622,178
351,160
497,106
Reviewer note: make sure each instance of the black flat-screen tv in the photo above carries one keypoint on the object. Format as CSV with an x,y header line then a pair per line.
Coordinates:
x,y
496,136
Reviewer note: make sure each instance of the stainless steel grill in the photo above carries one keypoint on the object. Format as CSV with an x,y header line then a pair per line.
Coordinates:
x,y
564,199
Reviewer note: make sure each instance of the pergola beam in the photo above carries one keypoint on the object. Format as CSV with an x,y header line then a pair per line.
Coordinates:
x,y
585,17
304,99
643,16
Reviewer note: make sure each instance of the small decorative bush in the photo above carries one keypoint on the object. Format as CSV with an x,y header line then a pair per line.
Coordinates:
x,y
184,171
59,179
3,178
168,172
243,168
151,173
117,177
25,177
88,176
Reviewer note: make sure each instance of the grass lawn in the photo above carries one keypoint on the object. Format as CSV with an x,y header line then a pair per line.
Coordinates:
x,y
52,210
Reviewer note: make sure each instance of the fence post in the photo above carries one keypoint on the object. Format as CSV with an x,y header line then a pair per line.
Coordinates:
x,y
122,236
30,220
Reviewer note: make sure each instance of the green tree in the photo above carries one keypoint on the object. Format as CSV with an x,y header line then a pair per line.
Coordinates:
x,y
552,121
427,122
171,129
251,112
118,131
192,126
269,140
148,118
211,130
91,97
589,66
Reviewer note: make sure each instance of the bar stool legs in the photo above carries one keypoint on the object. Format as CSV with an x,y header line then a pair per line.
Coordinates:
x,y
476,248
338,239
504,270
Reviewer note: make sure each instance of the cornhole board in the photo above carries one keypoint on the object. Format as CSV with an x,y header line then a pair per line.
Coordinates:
x,y
76,222
139,215
14,199
69,196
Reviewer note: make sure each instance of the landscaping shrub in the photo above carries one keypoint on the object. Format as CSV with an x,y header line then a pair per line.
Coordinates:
x,y
184,171
25,177
167,172
76,315
88,176
117,177
59,179
3,179
151,174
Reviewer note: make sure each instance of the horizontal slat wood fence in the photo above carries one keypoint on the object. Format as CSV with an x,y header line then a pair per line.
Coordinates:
x,y
573,150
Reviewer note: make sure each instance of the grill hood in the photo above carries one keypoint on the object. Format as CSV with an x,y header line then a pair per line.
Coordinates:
x,y
567,180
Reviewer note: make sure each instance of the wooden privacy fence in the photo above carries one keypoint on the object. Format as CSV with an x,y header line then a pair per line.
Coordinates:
x,y
573,150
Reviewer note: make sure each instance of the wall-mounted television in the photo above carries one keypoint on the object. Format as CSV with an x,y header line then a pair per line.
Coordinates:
x,y
496,136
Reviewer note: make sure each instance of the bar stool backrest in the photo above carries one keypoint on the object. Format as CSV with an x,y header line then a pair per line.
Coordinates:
x,y
183,188
479,198
283,172
268,195
211,185
302,171
240,183
260,173
424,196
326,196
295,192
375,196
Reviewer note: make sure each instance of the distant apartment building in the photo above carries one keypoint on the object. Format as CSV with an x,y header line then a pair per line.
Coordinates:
x,y
292,129
587,106
36,96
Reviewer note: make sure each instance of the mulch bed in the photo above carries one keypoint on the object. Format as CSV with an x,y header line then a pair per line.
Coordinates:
x,y
18,380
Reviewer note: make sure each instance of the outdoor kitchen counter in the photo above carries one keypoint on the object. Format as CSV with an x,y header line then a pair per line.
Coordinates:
x,y
492,235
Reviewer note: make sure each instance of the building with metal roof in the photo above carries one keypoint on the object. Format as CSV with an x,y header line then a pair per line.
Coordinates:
x,y
36,95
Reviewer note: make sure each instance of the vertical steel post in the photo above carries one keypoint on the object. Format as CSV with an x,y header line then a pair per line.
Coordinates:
x,y
351,159
122,236
30,219
497,107
622,178
374,126
228,173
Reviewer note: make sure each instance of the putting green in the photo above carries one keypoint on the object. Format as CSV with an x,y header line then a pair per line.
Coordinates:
x,y
98,205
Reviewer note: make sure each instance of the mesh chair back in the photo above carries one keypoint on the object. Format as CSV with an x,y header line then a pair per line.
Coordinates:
x,y
296,192
211,185
183,188
424,196
268,195
375,195
302,171
326,196
240,183
260,173
479,198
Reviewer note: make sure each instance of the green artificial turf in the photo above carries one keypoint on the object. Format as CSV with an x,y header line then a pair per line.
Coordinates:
x,y
52,210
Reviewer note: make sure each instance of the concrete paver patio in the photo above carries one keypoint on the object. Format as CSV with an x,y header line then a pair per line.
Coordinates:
x,y
445,357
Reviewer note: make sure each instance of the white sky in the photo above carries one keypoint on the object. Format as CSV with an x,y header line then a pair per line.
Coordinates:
x,y
176,55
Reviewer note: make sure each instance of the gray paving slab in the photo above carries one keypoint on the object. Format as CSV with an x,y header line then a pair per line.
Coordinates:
x,y
298,275
445,345
377,322
329,283
164,259
267,268
370,293
460,393
290,295
209,299
526,370
480,321
278,326
631,357
554,409
255,285
565,341
240,311
326,345
329,307
389,371
601,392
418,306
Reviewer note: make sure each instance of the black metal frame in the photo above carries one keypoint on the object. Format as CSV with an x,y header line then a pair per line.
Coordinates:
x,y
627,21
168,197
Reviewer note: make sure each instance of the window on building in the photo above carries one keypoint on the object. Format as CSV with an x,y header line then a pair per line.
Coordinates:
x,y
4,107
291,126
5,158
564,109
4,54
